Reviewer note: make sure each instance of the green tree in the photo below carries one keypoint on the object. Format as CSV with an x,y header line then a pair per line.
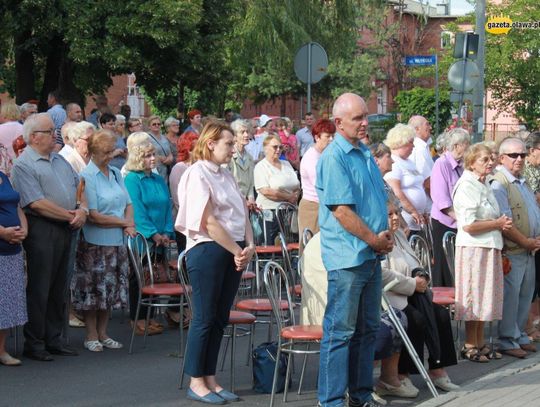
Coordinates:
x,y
513,63
421,101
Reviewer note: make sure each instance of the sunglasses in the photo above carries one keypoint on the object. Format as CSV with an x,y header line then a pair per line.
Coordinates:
x,y
516,155
276,148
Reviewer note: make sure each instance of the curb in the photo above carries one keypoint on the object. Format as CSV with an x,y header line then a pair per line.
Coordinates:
x,y
478,384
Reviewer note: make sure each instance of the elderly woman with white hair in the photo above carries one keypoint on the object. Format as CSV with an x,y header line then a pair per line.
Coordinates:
x,y
241,164
446,171
79,135
404,179
120,149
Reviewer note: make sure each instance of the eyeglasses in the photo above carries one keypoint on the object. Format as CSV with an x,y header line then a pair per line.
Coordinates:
x,y
514,156
276,148
49,132
155,124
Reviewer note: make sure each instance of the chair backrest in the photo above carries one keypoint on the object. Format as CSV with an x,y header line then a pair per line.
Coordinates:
x,y
287,259
139,253
421,250
307,234
449,247
183,277
258,226
287,216
278,289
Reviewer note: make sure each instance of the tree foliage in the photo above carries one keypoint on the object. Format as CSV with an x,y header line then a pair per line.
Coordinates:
x,y
513,63
421,101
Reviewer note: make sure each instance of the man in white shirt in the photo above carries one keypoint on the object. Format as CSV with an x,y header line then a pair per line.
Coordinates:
x,y
421,155
255,146
304,136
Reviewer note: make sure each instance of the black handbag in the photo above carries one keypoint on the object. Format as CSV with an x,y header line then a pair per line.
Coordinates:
x,y
264,364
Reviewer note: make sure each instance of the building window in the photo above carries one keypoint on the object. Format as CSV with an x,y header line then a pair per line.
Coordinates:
x,y
447,39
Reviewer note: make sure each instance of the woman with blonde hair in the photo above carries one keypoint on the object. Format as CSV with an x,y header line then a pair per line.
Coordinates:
x,y
214,219
404,179
152,212
10,128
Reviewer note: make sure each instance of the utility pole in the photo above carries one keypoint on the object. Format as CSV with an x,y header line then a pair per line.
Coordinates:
x,y
478,92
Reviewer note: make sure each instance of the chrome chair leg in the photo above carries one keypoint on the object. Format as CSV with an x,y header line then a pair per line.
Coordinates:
x,y
134,327
287,375
303,370
233,343
225,351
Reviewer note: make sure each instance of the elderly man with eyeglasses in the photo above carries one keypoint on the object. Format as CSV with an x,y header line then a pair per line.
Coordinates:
x,y
516,200
47,185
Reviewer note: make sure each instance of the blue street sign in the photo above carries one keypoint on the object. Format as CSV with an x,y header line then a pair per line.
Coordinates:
x,y
420,60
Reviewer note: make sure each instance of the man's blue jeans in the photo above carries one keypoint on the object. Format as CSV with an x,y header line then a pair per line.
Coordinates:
x,y
350,325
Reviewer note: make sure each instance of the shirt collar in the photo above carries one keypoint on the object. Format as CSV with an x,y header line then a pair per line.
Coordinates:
x,y
212,166
142,174
348,147
511,178
421,143
452,160
34,155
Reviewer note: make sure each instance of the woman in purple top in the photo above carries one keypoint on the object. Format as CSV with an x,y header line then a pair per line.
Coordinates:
x,y
13,230
446,171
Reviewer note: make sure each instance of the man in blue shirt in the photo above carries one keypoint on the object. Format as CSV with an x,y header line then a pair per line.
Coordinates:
x,y
354,231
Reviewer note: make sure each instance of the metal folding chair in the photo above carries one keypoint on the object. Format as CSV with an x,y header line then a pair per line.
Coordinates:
x,y
406,341
449,247
158,296
287,216
235,318
307,234
298,338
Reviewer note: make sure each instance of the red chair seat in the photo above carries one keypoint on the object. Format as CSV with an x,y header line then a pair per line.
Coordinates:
x,y
443,300
258,304
239,317
268,249
445,291
298,289
248,275
293,246
303,332
163,289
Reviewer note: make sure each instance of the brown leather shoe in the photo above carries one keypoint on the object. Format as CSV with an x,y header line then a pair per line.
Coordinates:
x,y
517,353
529,347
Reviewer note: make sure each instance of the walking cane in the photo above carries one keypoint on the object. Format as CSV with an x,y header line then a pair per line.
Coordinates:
x,y
403,334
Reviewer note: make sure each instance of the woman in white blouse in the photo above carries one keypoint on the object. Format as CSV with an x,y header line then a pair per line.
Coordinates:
x,y
275,182
479,274
404,179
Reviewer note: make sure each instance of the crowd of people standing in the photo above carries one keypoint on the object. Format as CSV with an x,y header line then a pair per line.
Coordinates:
x,y
72,191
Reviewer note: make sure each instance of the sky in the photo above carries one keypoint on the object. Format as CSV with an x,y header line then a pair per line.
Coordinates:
x,y
457,6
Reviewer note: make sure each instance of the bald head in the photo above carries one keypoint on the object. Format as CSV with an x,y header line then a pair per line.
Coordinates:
x,y
350,115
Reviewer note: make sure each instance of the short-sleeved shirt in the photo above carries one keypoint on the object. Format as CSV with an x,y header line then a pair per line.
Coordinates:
x,y
242,167
305,140
444,176
36,177
308,174
207,181
108,196
9,201
528,197
411,181
348,175
268,176
152,208
474,200
58,116
76,161
119,161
